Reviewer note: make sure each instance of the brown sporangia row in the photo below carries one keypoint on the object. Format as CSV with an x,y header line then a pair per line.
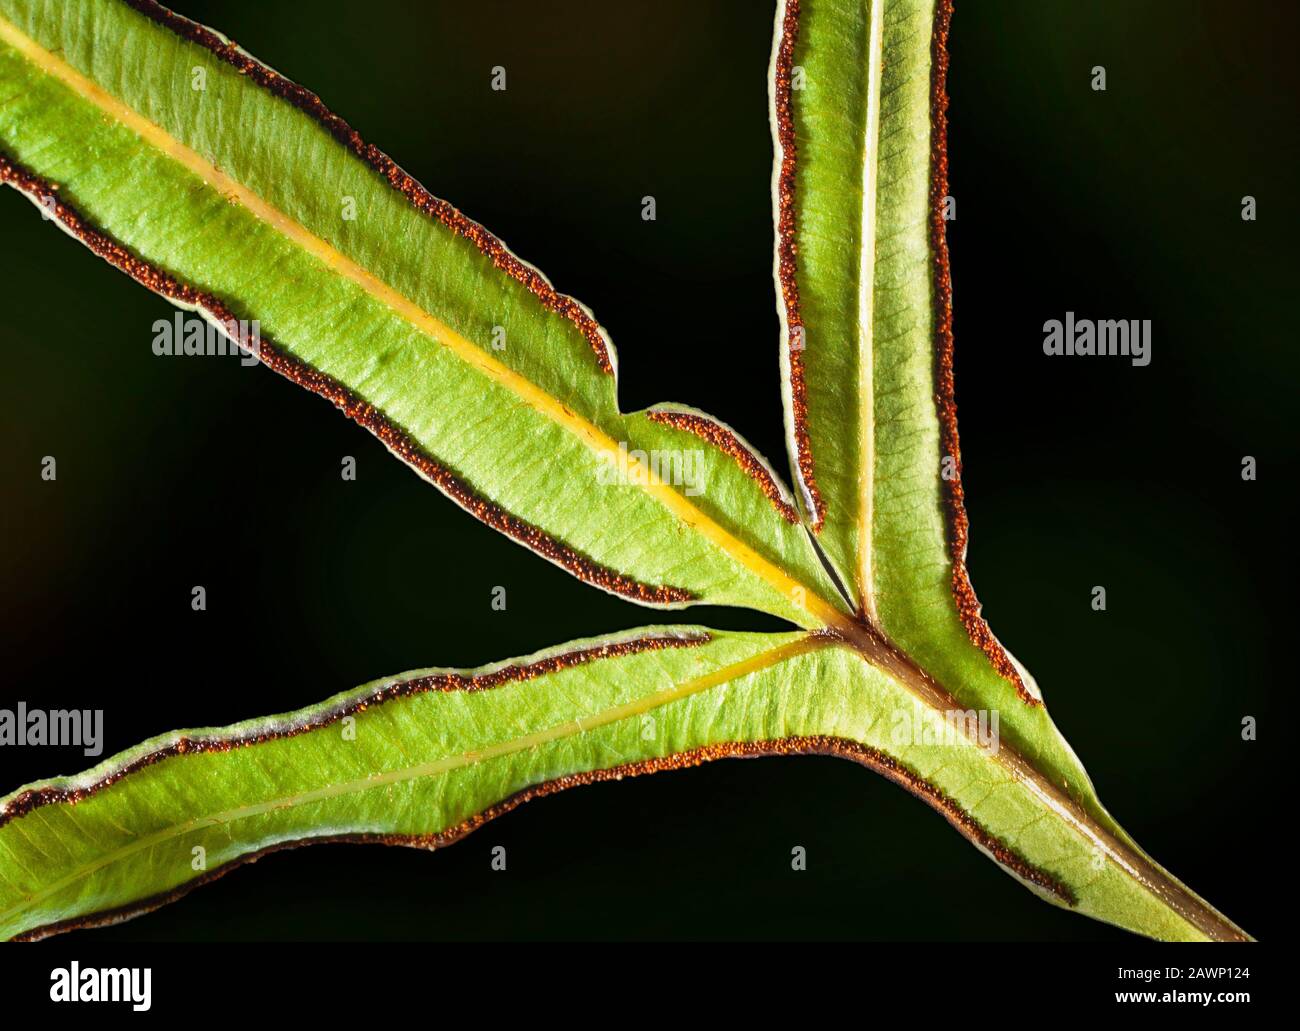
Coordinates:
x,y
420,198
394,437
968,606
875,760
787,260
722,438
36,798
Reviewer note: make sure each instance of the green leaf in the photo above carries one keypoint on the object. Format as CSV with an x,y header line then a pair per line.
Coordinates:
x,y
862,275
424,758
410,760
231,191
391,303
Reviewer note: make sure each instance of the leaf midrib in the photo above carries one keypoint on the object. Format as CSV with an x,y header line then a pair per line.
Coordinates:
x,y
642,474
866,316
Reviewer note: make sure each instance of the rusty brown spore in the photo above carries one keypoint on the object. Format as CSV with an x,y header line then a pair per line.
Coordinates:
x,y
881,763
787,227
356,408
420,198
727,442
968,606
36,798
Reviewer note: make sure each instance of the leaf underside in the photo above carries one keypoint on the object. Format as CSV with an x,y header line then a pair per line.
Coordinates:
x,y
423,758
233,201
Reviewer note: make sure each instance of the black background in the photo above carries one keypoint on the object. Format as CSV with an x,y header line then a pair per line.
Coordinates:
x,y
1122,204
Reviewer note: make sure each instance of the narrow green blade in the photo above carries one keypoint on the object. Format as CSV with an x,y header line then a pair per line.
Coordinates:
x,y
232,191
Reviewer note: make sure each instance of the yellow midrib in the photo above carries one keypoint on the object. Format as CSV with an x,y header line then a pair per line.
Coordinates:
x,y
599,442
866,315
537,739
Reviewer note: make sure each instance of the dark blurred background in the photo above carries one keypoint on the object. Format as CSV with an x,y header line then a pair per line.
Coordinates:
x,y
1079,472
